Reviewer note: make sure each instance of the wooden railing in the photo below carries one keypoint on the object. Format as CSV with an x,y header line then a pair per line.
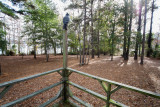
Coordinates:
x,y
9,84
65,91
106,85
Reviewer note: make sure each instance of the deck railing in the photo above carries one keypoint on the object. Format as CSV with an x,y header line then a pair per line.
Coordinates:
x,y
65,91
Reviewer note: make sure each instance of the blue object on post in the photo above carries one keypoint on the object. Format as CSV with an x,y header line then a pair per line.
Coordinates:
x,y
65,21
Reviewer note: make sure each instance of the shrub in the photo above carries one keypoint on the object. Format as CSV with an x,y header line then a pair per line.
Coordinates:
x,y
132,53
10,53
156,54
22,54
7,52
72,53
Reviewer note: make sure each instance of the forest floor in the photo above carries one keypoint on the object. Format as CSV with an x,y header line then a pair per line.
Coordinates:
x,y
129,72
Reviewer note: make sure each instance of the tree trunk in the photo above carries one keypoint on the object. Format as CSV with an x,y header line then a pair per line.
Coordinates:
x,y
125,29
19,45
99,6
140,44
34,51
61,47
138,31
92,28
130,29
113,30
54,47
150,32
84,32
88,52
80,55
55,53
144,30
47,56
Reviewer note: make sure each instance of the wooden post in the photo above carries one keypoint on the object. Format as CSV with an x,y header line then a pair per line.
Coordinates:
x,y
65,71
108,94
65,49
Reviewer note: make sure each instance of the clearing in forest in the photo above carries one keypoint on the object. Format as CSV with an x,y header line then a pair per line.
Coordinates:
x,y
129,72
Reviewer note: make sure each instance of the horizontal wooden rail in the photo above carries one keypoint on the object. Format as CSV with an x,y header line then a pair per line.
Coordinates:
x,y
29,77
145,92
80,101
52,99
31,95
9,84
102,81
96,95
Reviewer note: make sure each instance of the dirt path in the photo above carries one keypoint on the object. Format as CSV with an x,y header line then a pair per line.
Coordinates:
x,y
127,72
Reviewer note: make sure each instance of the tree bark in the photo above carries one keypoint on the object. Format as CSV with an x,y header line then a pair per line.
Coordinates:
x,y
55,53
150,32
138,31
34,50
144,30
92,29
84,32
113,30
99,5
130,29
125,29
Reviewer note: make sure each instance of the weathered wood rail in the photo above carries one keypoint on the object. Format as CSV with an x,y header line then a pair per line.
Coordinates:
x,y
65,93
7,86
106,85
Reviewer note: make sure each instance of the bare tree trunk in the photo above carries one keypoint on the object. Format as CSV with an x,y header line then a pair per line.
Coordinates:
x,y
34,50
14,39
19,45
85,55
130,29
99,6
4,28
113,41
92,28
150,32
138,31
41,48
61,47
144,30
54,47
88,52
140,45
80,55
125,29
47,56
84,35
77,53
113,30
